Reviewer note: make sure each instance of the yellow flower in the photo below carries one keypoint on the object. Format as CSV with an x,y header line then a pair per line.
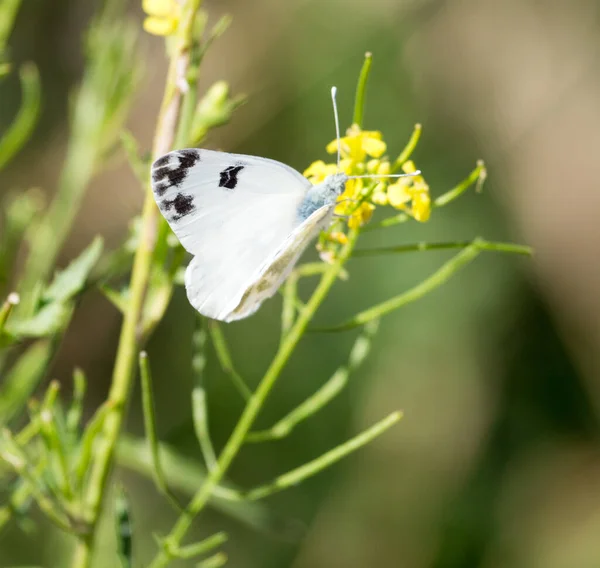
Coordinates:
x,y
361,216
413,190
319,170
358,144
163,16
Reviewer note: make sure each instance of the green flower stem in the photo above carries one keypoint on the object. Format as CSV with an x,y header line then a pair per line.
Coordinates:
x,y
408,149
225,360
288,309
150,429
8,13
442,275
12,454
389,222
422,246
11,301
477,176
187,475
313,467
216,561
20,130
98,111
323,395
361,88
54,443
127,351
199,406
310,406
256,402
197,549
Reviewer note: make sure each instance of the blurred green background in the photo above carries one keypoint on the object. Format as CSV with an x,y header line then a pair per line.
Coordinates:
x,y
497,462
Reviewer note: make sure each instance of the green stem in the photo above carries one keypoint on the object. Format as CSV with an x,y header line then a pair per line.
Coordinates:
x,y
408,149
10,302
313,467
442,275
150,429
225,360
477,176
414,247
256,402
127,351
323,395
361,88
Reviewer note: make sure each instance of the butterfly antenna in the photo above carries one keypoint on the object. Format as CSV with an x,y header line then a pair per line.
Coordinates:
x,y
337,125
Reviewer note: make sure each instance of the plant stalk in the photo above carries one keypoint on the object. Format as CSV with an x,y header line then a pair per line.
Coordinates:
x,y
255,404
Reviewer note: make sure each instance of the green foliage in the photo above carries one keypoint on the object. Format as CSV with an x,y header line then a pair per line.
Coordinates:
x,y
62,465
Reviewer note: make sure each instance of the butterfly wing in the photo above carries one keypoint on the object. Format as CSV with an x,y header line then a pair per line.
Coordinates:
x,y
233,213
271,273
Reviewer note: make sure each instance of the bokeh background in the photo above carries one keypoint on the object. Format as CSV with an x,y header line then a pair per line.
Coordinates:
x,y
497,461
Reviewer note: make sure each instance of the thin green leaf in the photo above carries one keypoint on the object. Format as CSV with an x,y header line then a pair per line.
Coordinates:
x,y
425,246
124,528
317,465
8,13
51,319
19,383
186,475
90,437
225,360
361,88
477,177
12,454
194,550
150,428
408,149
139,166
70,281
55,444
76,409
117,298
10,302
325,394
216,561
20,130
438,278
199,408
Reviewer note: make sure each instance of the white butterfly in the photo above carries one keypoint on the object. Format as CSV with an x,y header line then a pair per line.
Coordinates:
x,y
245,219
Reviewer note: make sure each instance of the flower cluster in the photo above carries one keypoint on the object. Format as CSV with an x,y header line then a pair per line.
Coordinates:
x,y
363,153
163,16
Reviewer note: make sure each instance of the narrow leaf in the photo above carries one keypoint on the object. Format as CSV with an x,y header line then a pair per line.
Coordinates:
x,y
317,465
20,382
124,528
20,130
70,281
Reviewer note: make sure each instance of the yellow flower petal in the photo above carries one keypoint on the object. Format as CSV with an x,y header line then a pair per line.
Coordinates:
x,y
373,147
315,169
332,147
384,168
398,194
339,237
409,167
160,26
160,8
380,198
421,206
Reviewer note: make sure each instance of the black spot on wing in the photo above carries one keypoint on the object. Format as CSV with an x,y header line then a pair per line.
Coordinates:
x,y
188,158
182,205
162,161
229,177
172,173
